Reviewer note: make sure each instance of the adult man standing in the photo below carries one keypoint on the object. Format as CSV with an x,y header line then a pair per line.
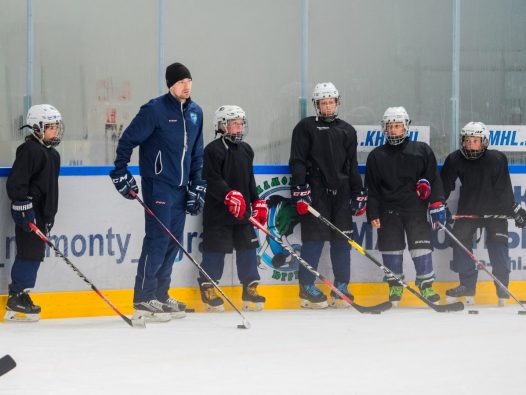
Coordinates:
x,y
169,133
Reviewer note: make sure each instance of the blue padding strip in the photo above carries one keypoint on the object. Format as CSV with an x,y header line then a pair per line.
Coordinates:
x,y
258,169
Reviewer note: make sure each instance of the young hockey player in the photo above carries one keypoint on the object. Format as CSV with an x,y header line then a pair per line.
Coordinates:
x,y
32,187
486,189
403,182
231,187
169,132
325,174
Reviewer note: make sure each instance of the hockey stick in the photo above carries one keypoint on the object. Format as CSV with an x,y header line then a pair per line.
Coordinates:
x,y
132,323
362,309
479,264
457,306
486,216
246,323
6,364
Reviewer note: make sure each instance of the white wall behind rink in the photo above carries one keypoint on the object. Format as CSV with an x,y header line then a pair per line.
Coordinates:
x,y
104,236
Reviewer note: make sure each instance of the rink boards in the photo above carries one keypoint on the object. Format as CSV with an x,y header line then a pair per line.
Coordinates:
x,y
101,233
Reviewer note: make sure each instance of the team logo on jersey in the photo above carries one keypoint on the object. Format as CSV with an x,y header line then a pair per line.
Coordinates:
x,y
193,117
282,223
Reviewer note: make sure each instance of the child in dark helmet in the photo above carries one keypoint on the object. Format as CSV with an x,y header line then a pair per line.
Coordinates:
x,y
32,187
486,189
231,194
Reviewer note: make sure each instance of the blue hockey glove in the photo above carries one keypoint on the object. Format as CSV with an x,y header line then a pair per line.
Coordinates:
x,y
437,212
519,215
359,203
22,213
124,182
195,197
300,194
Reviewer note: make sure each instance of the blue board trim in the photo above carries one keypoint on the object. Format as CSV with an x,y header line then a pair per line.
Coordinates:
x,y
83,171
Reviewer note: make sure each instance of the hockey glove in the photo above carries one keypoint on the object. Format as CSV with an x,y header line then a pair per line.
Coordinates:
x,y
519,215
300,194
359,203
449,216
195,197
22,213
260,211
236,203
437,213
47,227
124,182
423,189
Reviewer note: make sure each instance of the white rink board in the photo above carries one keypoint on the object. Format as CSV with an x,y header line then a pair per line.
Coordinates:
x,y
104,236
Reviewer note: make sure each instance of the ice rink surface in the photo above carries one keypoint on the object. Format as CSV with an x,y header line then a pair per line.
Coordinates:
x,y
402,351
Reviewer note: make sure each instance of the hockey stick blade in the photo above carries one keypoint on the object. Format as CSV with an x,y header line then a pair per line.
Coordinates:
x,y
457,306
362,309
6,364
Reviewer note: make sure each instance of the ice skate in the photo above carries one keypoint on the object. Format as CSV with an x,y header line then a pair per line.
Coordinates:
x,y
395,292
453,294
151,311
252,300
312,298
430,294
20,307
336,302
174,307
209,297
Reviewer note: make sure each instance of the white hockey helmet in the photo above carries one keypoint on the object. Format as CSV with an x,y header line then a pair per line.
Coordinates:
x,y
39,117
474,129
395,114
227,113
325,90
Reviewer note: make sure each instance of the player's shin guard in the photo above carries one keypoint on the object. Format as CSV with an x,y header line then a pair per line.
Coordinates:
x,y
252,300
21,308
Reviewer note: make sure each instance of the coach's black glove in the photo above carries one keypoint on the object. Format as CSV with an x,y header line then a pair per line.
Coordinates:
x,y
124,182
22,213
519,215
195,197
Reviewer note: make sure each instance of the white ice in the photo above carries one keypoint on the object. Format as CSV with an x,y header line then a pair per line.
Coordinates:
x,y
402,351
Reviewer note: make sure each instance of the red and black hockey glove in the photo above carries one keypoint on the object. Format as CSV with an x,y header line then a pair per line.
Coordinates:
x,y
236,203
359,203
260,211
423,189
437,213
301,195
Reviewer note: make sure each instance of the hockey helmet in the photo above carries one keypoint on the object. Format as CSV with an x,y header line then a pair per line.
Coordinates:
x,y
474,129
325,90
395,114
41,116
223,118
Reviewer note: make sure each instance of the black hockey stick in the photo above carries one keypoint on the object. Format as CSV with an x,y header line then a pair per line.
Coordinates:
x,y
132,323
362,309
479,264
457,306
246,323
484,216
6,364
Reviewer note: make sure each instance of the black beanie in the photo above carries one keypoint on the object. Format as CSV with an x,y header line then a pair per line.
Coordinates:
x,y
176,72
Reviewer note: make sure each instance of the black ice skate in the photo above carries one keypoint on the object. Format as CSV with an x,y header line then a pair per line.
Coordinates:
x,y
453,294
152,311
210,298
174,307
429,293
312,298
336,302
20,307
252,300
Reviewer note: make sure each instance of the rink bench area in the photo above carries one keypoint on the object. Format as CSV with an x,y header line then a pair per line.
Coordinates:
x,y
77,304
